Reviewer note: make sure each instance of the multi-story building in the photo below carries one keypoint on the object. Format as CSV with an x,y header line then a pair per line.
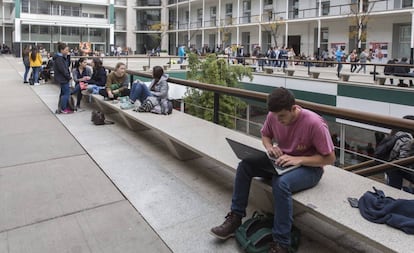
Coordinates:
x,y
308,26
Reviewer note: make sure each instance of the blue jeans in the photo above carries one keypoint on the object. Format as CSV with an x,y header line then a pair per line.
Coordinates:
x,y
64,95
26,72
139,91
283,186
339,68
36,71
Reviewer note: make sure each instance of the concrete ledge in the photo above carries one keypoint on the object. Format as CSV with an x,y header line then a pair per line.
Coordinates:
x,y
289,72
146,68
183,66
327,200
314,74
345,76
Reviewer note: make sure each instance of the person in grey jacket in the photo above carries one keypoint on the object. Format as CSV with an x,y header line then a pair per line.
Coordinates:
x,y
158,87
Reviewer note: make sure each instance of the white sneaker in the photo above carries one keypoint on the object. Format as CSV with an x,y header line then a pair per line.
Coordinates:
x,y
36,84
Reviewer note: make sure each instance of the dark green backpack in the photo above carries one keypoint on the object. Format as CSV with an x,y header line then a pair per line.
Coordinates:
x,y
255,234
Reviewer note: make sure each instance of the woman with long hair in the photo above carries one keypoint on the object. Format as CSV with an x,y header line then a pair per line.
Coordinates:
x,y
35,60
98,79
62,76
81,73
26,62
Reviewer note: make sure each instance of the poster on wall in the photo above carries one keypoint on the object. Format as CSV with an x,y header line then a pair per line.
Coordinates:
x,y
336,46
85,47
378,52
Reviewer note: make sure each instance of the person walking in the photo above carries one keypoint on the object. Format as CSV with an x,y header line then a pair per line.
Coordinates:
x,y
339,54
294,136
363,58
35,60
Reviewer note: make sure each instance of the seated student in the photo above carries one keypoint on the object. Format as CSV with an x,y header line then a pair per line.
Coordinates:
x,y
158,87
296,136
402,148
81,73
389,69
98,79
402,70
117,83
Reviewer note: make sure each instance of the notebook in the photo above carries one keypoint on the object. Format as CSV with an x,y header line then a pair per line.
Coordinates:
x,y
244,152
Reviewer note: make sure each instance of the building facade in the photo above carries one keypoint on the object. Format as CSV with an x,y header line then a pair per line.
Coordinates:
x,y
308,26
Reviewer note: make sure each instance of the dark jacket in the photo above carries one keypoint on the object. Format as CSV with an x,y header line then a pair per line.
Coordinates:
x,y
61,69
398,213
389,70
401,69
98,77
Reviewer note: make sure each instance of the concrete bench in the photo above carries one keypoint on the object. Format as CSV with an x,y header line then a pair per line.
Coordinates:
x,y
146,67
344,76
314,74
380,79
268,70
326,201
166,66
184,66
289,72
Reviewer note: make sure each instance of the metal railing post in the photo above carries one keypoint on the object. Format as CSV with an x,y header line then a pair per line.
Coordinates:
x,y
216,107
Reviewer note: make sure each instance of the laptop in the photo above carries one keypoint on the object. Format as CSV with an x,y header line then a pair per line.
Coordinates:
x,y
244,152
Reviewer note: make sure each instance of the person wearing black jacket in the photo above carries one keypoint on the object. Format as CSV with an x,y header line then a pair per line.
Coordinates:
x,y
403,71
99,73
389,69
62,76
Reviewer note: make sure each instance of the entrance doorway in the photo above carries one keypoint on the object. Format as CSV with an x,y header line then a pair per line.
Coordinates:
x,y
294,42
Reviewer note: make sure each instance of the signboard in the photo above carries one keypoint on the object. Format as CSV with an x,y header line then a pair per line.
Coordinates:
x,y
378,52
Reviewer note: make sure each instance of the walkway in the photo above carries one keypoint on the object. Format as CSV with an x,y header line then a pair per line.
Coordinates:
x,y
67,185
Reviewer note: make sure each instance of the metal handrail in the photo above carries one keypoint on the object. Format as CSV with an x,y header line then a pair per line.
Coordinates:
x,y
347,114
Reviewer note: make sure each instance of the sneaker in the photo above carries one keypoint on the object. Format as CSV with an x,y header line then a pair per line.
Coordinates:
x,y
36,84
277,248
25,82
229,226
127,105
78,109
67,111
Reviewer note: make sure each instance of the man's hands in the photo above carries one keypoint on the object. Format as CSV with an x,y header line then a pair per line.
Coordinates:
x,y
274,151
288,160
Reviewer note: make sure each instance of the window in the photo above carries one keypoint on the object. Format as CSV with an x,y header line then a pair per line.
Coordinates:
x,y
25,6
229,9
325,7
268,2
213,11
246,6
407,3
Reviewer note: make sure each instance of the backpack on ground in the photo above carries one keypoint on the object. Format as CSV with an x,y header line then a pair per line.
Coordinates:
x,y
384,148
255,234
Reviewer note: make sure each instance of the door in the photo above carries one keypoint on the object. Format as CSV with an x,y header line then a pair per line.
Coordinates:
x,y
294,42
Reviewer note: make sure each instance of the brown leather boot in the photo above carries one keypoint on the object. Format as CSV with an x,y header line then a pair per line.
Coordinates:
x,y
229,226
277,248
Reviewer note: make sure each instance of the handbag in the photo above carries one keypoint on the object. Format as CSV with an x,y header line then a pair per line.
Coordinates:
x,y
83,85
98,118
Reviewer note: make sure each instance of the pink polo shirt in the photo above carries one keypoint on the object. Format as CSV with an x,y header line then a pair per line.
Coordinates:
x,y
306,136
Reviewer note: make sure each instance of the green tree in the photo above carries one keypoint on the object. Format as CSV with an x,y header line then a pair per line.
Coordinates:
x,y
216,71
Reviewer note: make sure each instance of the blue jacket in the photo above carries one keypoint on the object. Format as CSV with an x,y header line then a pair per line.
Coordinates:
x,y
398,213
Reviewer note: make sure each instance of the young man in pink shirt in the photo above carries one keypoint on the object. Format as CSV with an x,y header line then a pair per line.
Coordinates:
x,y
296,136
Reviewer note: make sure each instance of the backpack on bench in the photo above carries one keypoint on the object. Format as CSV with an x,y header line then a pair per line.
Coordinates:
x,y
255,234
